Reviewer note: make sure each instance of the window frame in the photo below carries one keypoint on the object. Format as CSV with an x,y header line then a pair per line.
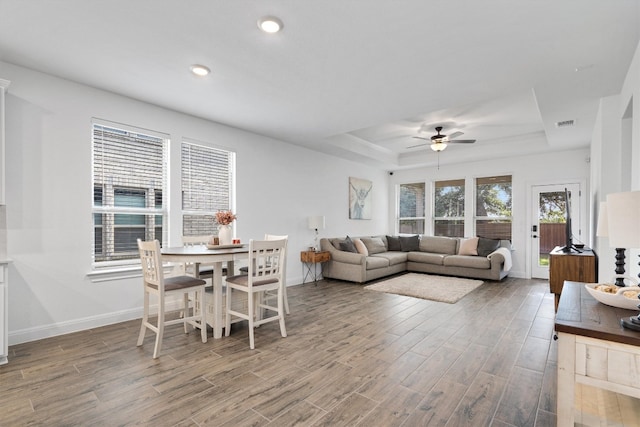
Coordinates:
x,y
461,219
503,218
416,218
109,256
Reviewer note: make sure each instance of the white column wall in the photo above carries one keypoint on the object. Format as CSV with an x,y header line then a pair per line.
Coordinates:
x,y
610,172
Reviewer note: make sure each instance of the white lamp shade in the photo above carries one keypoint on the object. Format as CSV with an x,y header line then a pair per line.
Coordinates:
x,y
603,221
623,211
316,222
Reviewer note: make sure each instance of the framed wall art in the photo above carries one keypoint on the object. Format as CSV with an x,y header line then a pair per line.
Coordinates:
x,y
360,198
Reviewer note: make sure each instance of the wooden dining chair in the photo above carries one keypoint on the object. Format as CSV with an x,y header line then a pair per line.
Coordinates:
x,y
204,271
155,283
270,294
267,260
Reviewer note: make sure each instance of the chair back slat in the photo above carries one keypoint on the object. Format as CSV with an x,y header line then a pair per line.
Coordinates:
x,y
151,261
284,237
267,259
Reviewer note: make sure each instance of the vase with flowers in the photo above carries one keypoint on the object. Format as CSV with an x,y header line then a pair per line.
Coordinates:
x,y
224,220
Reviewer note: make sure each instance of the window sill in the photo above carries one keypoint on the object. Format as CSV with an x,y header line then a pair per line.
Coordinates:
x,y
114,273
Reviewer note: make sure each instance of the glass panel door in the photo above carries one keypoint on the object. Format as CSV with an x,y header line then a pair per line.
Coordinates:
x,y
549,223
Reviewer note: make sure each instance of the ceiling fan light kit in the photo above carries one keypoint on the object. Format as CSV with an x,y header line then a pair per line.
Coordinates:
x,y
438,146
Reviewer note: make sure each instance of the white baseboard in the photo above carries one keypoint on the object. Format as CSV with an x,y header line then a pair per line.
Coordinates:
x,y
76,325
47,331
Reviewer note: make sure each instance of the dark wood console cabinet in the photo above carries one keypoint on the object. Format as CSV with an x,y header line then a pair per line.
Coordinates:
x,y
572,266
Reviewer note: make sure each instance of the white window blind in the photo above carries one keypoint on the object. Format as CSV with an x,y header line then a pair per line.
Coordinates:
x,y
129,188
207,183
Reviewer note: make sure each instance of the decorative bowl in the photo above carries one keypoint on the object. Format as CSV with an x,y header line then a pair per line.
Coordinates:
x,y
617,299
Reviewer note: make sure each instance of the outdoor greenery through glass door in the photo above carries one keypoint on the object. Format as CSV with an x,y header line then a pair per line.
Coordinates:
x,y
552,219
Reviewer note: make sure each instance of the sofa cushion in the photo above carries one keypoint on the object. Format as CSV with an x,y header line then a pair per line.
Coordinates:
x,y
393,257
335,242
468,246
410,243
426,258
486,246
467,261
375,245
362,249
438,245
373,262
347,245
394,243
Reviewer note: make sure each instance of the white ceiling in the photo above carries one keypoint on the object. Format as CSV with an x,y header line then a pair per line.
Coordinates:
x,y
354,78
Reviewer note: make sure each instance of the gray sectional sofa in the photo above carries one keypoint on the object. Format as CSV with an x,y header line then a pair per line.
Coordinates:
x,y
361,259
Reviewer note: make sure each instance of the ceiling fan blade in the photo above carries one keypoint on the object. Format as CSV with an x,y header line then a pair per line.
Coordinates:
x,y
419,145
462,141
456,134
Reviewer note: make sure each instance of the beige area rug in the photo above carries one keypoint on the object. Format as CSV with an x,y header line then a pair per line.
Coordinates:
x,y
427,286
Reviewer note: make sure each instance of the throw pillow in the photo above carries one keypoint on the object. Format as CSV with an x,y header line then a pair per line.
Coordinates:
x,y
410,243
486,246
362,249
394,243
347,245
375,245
468,246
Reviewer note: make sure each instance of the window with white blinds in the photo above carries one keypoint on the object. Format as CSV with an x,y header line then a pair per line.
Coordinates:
x,y
207,183
129,188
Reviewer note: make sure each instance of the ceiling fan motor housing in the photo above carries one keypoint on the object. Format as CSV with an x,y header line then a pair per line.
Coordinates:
x,y
438,137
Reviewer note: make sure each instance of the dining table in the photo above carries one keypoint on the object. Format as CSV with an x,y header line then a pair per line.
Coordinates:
x,y
207,254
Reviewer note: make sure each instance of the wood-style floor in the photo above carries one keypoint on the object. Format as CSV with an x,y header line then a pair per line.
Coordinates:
x,y
353,357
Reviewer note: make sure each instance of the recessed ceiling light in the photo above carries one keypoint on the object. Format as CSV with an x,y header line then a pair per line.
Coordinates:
x,y
200,70
270,24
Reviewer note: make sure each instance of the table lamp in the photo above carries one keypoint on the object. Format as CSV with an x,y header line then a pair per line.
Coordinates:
x,y
316,223
603,231
623,226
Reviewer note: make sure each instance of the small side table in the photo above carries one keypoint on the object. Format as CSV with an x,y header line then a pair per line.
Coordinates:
x,y
310,259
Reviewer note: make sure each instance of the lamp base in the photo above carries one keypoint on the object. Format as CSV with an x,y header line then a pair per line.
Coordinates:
x,y
632,322
620,266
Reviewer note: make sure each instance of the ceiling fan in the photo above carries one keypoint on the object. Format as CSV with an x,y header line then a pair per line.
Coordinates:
x,y
439,141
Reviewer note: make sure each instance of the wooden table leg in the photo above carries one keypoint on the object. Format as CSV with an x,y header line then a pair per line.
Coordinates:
x,y
217,300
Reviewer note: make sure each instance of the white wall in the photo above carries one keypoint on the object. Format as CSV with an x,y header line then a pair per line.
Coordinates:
x,y
552,168
49,198
616,143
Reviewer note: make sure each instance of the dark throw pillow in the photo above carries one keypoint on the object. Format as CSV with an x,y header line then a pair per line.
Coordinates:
x,y
394,243
348,246
410,243
486,246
